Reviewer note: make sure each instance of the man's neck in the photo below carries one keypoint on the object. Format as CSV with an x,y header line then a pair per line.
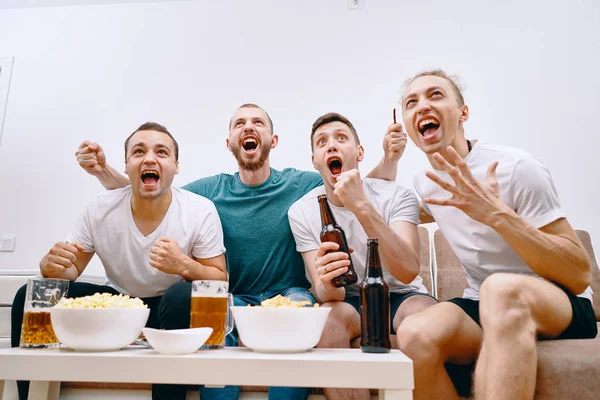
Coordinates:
x,y
332,197
255,178
461,147
147,210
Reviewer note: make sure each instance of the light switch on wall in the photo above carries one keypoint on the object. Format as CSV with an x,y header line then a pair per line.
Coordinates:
x,y
356,4
8,243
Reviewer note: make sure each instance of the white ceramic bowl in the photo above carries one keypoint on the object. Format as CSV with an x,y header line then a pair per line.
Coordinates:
x,y
280,329
98,329
177,341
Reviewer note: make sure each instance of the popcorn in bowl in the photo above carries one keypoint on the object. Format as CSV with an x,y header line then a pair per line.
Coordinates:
x,y
282,301
100,322
102,300
280,325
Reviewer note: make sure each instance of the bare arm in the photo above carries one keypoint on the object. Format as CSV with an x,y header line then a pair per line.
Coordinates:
x,y
553,252
91,158
394,143
166,256
205,269
65,261
322,268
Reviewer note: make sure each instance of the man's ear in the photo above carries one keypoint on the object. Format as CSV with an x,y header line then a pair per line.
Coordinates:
x,y
177,167
313,161
227,144
274,141
464,113
361,153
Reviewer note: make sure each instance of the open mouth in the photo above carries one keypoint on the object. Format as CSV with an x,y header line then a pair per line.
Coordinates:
x,y
428,127
335,165
249,144
150,177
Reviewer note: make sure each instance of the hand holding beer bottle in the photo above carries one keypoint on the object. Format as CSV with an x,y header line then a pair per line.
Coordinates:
x,y
61,257
330,263
332,232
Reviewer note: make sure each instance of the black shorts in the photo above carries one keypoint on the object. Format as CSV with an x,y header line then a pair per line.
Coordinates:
x,y
395,300
583,325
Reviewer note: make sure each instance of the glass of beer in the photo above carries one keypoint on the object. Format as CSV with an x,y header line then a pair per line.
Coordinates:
x,y
210,308
42,294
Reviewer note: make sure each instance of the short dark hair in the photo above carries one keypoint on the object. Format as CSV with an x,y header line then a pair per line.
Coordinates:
x,y
153,126
328,118
250,105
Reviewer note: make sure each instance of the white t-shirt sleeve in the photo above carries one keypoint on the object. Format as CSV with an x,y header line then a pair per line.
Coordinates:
x,y
405,207
209,241
305,240
82,232
533,193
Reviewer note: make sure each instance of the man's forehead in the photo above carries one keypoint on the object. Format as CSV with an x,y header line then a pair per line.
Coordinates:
x,y
150,138
423,83
332,127
249,112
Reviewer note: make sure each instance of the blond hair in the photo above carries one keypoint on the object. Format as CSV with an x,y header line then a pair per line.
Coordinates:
x,y
454,82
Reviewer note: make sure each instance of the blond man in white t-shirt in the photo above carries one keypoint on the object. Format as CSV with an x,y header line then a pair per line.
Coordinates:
x,y
528,274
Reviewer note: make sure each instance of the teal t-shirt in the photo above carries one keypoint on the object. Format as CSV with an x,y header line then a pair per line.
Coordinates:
x,y
261,251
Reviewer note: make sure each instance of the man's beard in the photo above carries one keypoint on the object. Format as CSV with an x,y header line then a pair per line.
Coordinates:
x,y
254,164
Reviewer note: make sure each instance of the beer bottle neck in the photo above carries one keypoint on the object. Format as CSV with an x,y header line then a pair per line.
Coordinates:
x,y
326,214
373,262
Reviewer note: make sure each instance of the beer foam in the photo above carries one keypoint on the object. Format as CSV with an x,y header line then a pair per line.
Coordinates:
x,y
210,289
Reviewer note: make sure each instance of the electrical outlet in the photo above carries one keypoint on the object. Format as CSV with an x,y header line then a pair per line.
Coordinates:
x,y
356,4
8,243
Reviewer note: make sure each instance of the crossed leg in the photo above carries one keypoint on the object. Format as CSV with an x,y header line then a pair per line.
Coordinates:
x,y
439,334
514,311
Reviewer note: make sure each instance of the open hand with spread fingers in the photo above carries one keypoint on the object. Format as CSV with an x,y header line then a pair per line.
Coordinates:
x,y
480,201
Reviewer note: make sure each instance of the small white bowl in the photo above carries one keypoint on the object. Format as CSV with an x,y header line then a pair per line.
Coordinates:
x,y
280,329
98,329
177,341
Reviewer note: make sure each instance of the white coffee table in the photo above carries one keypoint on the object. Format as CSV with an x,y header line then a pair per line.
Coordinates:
x,y
391,373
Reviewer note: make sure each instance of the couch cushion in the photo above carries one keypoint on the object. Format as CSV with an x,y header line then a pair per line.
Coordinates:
x,y
586,240
568,369
449,273
425,259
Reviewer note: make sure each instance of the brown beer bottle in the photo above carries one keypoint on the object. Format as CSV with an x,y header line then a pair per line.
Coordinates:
x,y
332,232
374,305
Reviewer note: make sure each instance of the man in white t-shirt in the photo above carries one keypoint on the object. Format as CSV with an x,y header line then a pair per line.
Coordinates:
x,y
363,207
528,274
150,237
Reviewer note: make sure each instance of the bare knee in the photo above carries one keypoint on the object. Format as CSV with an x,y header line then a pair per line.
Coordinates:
x,y
343,324
505,306
410,306
417,341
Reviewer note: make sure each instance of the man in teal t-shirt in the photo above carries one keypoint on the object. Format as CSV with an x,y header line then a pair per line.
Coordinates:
x,y
261,255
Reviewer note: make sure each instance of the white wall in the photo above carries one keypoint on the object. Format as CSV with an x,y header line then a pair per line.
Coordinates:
x,y
99,71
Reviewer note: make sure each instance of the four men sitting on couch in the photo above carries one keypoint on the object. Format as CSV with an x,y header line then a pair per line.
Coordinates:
x,y
527,272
